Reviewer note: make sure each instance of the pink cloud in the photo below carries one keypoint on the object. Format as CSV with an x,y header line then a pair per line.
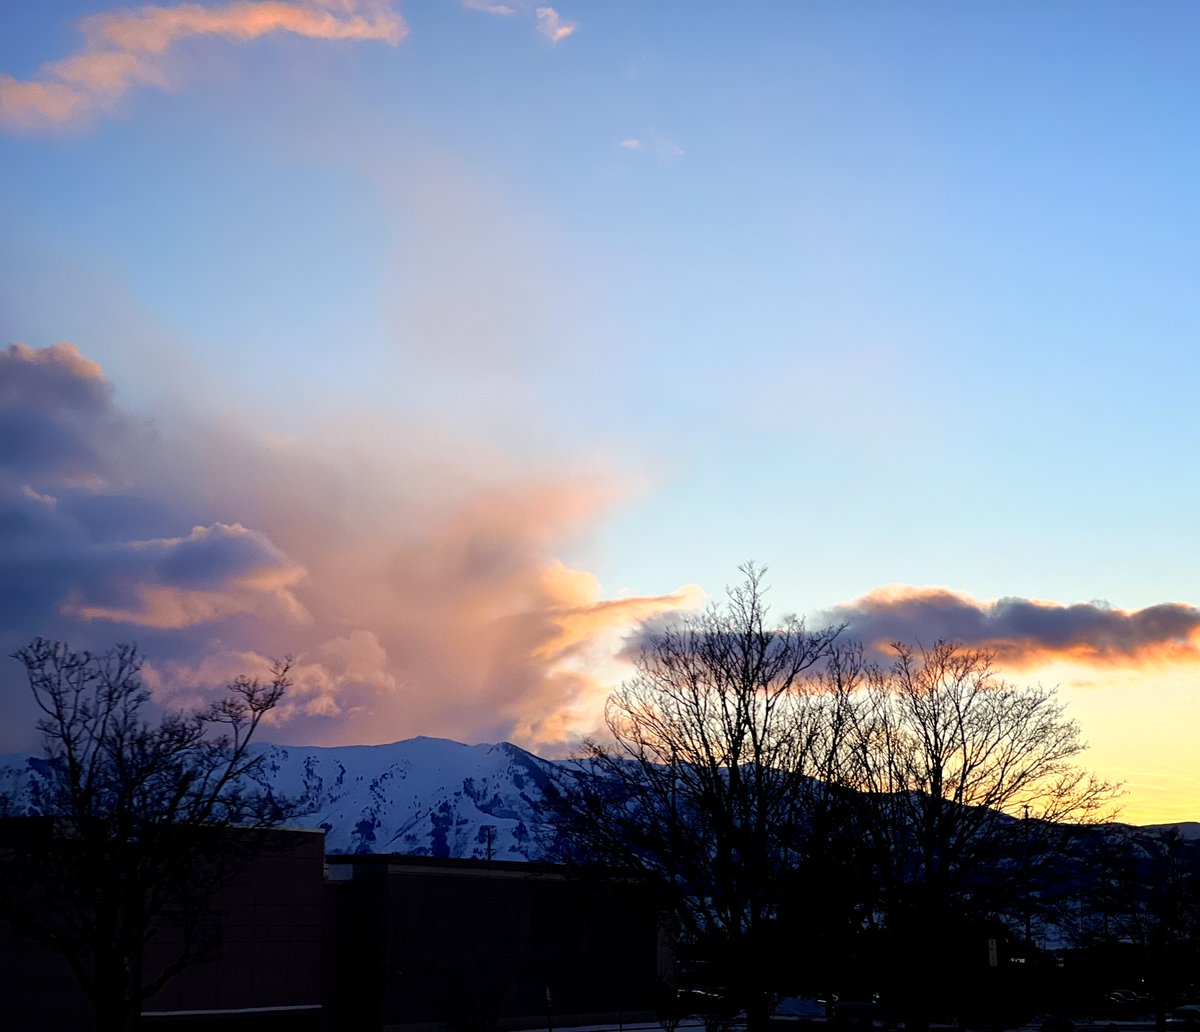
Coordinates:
x,y
127,48
423,587
551,25
323,677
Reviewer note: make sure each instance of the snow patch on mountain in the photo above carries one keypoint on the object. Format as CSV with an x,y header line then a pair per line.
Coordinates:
x,y
422,797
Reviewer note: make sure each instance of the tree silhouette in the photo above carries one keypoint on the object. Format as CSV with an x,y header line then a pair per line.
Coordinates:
x,y
801,804
140,822
704,788
969,787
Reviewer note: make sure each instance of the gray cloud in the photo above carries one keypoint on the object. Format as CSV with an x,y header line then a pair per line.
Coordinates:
x,y
57,420
1023,631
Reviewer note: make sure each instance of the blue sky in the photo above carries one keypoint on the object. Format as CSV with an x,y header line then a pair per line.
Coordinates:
x,y
874,294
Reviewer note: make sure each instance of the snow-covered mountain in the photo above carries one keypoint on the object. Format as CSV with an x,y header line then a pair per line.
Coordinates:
x,y
424,796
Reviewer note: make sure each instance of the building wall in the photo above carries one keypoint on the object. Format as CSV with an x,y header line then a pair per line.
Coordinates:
x,y
477,944
379,943
266,976
269,940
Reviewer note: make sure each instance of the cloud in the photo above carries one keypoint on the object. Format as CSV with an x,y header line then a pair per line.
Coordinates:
x,y
579,625
421,588
56,417
1025,632
655,146
551,25
488,7
63,356
71,520
123,49
549,22
179,582
322,677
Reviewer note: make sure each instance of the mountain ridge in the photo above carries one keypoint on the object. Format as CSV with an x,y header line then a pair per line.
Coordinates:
x,y
422,796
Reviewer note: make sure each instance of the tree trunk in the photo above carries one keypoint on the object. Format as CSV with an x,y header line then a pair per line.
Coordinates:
x,y
110,997
758,1012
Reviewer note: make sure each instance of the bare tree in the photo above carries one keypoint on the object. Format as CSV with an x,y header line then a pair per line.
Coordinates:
x,y
140,821
967,781
702,789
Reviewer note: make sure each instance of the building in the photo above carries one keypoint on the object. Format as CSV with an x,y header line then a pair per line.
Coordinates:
x,y
371,943
265,970
429,943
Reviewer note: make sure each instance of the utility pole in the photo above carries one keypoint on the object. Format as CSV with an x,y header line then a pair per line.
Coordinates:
x,y
1028,902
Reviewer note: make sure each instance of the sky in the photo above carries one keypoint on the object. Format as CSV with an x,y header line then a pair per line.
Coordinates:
x,y
440,344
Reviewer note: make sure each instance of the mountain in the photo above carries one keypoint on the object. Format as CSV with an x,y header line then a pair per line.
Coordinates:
x,y
424,796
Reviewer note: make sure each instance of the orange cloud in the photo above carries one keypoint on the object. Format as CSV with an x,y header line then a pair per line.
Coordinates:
x,y
64,356
586,618
1027,632
483,626
26,105
467,630
127,48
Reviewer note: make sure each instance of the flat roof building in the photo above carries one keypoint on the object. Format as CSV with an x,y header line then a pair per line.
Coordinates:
x,y
475,944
